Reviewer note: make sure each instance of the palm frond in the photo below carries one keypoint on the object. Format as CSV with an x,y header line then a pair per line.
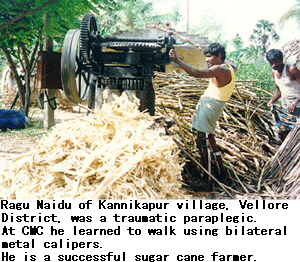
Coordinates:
x,y
293,12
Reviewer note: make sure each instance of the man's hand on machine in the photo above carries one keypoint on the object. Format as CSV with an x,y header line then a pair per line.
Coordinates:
x,y
173,55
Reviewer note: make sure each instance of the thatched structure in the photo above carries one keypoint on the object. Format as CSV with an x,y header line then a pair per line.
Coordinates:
x,y
291,50
284,171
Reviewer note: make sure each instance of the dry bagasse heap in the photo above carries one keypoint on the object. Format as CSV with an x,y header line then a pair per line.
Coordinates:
x,y
113,153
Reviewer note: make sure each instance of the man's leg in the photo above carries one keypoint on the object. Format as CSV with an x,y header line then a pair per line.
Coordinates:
x,y
217,152
202,147
283,134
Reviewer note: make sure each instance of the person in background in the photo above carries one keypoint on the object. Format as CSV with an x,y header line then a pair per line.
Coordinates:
x,y
287,82
210,106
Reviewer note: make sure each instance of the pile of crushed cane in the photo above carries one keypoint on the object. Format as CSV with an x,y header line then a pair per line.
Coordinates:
x,y
117,152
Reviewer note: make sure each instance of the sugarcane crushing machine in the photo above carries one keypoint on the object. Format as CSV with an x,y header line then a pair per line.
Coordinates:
x,y
92,62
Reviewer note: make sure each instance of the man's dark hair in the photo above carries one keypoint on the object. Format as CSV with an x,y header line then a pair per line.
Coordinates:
x,y
274,54
215,49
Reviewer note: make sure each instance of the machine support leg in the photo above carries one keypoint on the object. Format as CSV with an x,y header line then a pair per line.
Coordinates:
x,y
92,94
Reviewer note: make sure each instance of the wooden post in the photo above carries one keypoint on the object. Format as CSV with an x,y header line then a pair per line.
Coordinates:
x,y
188,17
49,120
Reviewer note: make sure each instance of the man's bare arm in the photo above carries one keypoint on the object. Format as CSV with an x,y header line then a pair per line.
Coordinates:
x,y
275,97
234,66
214,71
294,71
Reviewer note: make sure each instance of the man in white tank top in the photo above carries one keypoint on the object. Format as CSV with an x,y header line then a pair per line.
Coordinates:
x,y
287,82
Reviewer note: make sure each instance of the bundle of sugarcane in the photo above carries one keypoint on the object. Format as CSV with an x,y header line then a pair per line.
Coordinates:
x,y
243,130
115,153
284,170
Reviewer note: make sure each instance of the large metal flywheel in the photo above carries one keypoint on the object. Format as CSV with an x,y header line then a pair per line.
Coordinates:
x,y
77,52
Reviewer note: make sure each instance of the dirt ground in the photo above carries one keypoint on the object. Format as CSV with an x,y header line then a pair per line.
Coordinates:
x,y
18,142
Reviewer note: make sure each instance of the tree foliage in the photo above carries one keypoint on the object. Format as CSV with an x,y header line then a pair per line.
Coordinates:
x,y
260,71
24,28
262,34
21,40
292,13
251,65
209,26
238,53
252,54
25,13
132,14
243,55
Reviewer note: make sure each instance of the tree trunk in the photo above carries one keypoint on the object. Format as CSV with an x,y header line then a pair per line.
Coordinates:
x,y
28,91
16,75
28,69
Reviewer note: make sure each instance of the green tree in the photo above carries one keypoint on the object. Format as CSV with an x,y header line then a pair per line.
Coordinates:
x,y
209,26
132,14
263,34
292,13
252,54
237,55
173,17
21,40
23,14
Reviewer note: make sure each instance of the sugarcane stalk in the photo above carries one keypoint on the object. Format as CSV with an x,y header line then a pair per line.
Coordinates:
x,y
175,33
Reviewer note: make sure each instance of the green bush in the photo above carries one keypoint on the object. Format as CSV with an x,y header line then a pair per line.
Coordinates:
x,y
260,71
